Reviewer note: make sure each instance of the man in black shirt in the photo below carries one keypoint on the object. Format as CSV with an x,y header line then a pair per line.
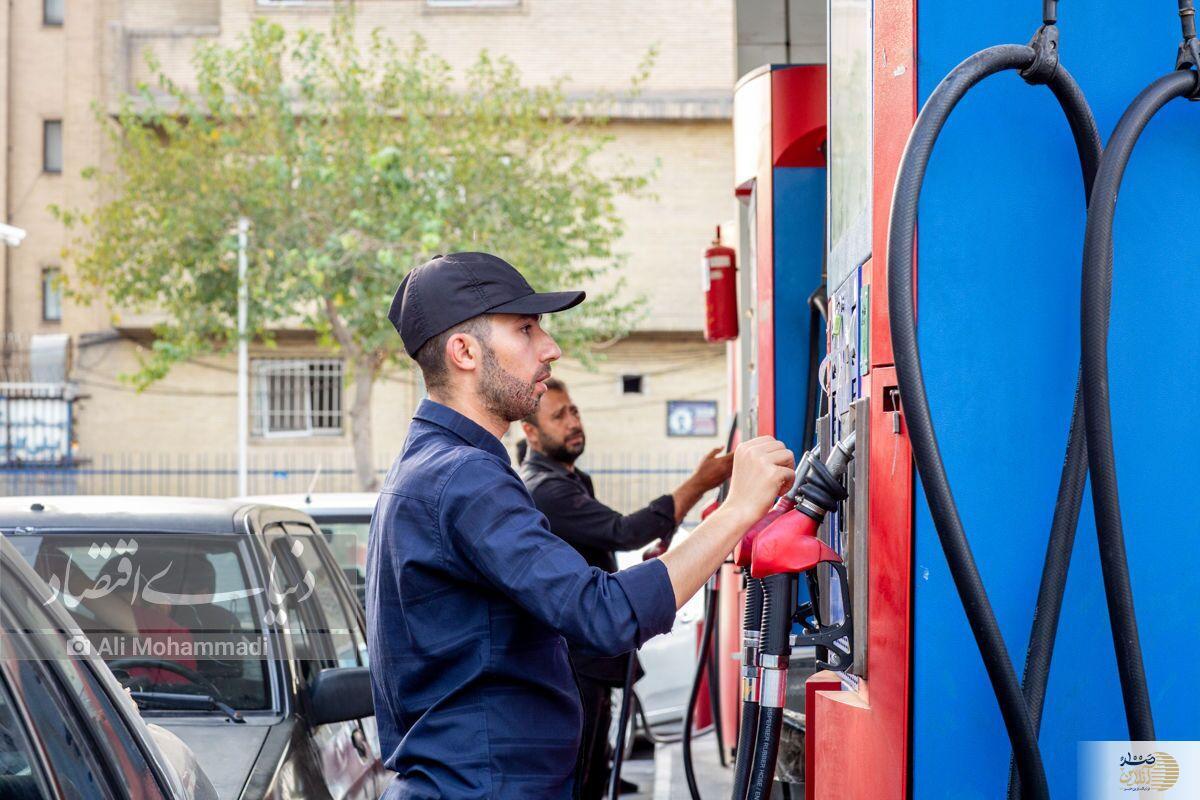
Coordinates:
x,y
566,496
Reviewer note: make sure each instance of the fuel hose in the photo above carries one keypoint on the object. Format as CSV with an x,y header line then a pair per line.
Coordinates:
x,y
751,627
1020,706
778,608
1183,82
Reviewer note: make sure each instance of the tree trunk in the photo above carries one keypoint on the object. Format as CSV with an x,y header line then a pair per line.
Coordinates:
x,y
360,424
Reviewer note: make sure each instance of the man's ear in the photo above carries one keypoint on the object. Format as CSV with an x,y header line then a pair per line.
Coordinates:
x,y
531,433
463,351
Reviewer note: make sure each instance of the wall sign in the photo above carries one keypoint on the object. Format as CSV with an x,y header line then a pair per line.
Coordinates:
x,y
691,418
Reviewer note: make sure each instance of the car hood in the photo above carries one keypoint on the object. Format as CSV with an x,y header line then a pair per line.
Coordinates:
x,y
227,753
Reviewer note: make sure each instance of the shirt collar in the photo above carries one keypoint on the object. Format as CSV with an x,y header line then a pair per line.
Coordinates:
x,y
466,429
545,462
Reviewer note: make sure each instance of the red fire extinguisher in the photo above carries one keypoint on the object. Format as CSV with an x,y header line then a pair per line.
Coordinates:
x,y
720,292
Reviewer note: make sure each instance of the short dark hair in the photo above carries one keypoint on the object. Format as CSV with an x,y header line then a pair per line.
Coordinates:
x,y
552,385
432,355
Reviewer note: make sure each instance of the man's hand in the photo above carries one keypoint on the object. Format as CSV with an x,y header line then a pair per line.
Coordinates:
x,y
762,469
655,550
713,470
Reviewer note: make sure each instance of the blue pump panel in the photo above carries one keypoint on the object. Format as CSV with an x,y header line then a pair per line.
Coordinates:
x,y
1000,244
799,195
799,225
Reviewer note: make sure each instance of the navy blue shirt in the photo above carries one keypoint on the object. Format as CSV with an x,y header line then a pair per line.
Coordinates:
x,y
469,598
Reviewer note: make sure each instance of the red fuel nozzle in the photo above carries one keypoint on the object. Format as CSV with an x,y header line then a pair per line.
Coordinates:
x,y
742,551
789,544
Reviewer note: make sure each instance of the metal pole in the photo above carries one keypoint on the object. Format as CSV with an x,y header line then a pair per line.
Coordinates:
x,y
243,378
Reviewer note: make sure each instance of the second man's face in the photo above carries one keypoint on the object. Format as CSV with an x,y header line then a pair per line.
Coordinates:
x,y
560,429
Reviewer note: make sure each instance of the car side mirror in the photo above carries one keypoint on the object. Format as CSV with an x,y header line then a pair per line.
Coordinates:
x,y
340,694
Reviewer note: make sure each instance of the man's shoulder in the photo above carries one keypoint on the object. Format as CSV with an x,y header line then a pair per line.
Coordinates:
x,y
423,470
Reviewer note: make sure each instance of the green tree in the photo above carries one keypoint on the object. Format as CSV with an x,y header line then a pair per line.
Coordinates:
x,y
354,162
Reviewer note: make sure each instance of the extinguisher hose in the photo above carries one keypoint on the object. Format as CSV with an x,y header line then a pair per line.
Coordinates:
x,y
1097,266
751,623
1020,708
689,715
778,608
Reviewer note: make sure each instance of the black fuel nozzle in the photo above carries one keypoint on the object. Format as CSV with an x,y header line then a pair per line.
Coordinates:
x,y
822,483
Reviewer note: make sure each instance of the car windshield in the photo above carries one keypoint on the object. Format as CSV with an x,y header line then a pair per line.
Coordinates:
x,y
171,614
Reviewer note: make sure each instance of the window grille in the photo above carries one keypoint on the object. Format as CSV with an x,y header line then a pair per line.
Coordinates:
x,y
296,397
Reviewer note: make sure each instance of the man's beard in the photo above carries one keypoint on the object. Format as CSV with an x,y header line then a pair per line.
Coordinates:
x,y
562,452
506,395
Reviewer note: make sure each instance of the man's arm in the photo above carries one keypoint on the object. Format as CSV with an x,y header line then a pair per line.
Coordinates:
x,y
583,521
489,526
712,471
762,468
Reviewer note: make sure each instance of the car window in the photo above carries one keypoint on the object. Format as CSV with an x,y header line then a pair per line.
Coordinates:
x,y
336,620
170,613
18,778
348,543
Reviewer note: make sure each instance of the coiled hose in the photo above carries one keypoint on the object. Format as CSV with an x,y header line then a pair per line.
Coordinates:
x,y
1020,708
778,605
1096,305
751,622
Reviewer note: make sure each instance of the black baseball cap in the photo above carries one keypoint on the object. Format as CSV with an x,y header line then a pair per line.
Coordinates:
x,y
450,289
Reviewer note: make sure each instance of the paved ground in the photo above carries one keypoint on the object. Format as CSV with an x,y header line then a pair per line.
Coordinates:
x,y
660,774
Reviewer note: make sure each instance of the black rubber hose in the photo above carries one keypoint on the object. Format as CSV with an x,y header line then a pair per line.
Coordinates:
x,y
1097,265
714,680
751,621
812,383
1074,472
901,242
766,752
614,776
689,715
778,605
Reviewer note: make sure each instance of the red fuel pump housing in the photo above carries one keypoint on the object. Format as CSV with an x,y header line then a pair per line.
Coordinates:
x,y
720,292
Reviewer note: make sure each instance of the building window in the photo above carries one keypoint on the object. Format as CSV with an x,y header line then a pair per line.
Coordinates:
x,y
52,12
631,384
52,294
52,146
296,397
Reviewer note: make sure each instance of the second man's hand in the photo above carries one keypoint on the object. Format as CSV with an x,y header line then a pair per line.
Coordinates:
x,y
762,468
713,470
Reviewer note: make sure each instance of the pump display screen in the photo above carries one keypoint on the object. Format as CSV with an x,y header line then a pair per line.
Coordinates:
x,y
849,158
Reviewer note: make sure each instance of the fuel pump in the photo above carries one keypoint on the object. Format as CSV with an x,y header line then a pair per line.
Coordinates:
x,y
781,550
1020,706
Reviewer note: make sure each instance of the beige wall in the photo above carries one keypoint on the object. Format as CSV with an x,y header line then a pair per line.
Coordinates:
x,y
679,126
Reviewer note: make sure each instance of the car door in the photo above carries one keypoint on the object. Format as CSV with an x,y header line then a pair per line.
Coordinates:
x,y
323,639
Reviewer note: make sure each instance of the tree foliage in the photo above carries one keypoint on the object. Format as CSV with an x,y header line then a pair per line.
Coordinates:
x,y
355,160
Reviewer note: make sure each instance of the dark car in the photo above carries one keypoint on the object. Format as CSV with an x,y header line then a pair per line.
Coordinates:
x,y
232,626
67,728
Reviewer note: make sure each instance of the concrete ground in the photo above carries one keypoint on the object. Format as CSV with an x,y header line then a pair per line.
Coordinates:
x,y
660,775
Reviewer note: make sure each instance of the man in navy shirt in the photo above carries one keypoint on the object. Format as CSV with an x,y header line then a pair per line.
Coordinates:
x,y
470,598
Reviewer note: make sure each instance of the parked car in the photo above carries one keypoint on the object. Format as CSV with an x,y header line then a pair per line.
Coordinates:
x,y
670,659
345,519
67,728
230,623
